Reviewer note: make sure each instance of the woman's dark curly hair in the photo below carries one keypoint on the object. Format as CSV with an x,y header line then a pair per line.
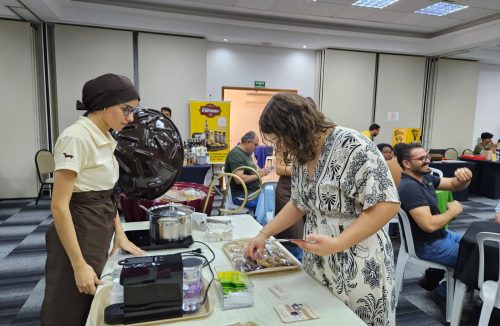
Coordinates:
x,y
296,123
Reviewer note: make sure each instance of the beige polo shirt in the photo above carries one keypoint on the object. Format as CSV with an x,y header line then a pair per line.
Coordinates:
x,y
83,148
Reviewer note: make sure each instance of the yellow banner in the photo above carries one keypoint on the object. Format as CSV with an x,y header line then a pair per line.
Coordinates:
x,y
209,120
405,135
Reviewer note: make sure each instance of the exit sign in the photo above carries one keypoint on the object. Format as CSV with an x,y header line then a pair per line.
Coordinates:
x,y
259,84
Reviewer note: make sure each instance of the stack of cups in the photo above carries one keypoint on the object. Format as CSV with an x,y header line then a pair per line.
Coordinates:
x,y
116,292
192,284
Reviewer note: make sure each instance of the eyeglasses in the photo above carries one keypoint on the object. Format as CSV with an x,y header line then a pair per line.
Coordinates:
x,y
129,109
422,158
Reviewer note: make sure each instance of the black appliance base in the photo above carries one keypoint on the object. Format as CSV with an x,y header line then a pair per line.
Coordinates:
x,y
142,239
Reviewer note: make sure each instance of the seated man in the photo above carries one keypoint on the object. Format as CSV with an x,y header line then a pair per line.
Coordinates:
x,y
486,144
497,213
241,156
417,192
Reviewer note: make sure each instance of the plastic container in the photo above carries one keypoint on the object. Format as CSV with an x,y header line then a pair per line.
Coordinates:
x,y
234,288
219,232
192,287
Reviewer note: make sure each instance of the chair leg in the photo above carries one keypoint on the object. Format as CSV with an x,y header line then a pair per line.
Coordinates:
x,y
400,271
486,310
39,194
458,302
450,289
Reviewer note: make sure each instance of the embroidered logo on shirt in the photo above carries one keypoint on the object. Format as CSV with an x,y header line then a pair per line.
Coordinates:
x,y
67,155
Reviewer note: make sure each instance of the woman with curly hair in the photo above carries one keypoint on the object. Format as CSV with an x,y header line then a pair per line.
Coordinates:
x,y
342,185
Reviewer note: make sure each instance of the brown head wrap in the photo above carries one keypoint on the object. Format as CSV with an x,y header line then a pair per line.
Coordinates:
x,y
105,91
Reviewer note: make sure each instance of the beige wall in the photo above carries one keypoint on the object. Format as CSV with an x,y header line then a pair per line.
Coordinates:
x,y
400,88
18,124
348,88
83,53
246,108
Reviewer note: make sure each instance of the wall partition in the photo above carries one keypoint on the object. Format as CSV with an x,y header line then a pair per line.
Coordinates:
x,y
83,53
454,104
19,123
400,89
172,71
348,87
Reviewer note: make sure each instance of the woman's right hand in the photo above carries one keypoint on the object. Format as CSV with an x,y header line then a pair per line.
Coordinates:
x,y
86,279
255,248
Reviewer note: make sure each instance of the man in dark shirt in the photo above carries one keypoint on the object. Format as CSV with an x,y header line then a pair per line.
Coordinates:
x,y
417,192
241,156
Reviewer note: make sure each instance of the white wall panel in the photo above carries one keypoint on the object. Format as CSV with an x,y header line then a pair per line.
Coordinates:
x,y
242,65
83,53
18,127
400,88
348,87
454,104
488,103
172,71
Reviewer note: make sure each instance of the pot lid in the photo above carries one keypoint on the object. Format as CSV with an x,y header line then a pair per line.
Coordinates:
x,y
171,210
150,155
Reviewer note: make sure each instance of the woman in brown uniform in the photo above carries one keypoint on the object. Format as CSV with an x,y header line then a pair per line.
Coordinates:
x,y
83,208
283,194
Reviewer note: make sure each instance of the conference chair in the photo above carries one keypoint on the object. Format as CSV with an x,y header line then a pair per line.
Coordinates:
x,y
44,162
451,154
407,254
227,206
489,290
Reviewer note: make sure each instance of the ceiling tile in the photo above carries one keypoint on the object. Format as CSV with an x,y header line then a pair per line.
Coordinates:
x,y
340,2
7,13
412,19
324,9
290,6
220,2
470,13
356,12
386,16
442,22
485,4
12,3
410,6
255,4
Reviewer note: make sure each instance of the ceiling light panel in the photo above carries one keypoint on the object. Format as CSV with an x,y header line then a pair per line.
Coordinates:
x,y
440,9
379,4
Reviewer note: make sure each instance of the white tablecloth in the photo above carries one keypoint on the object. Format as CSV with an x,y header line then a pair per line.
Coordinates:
x,y
302,287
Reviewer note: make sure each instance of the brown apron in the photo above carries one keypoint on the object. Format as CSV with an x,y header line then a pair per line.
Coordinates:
x,y
282,197
93,215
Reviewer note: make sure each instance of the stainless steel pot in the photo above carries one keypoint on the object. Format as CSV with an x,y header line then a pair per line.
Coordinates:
x,y
168,223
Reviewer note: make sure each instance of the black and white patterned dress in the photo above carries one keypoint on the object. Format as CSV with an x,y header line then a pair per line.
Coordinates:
x,y
350,176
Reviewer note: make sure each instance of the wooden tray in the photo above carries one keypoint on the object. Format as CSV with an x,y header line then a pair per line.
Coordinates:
x,y
101,301
243,242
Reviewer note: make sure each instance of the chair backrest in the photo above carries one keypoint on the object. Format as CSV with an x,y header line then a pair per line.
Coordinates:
x,y
481,238
255,194
467,152
44,161
227,206
406,235
451,154
269,188
437,172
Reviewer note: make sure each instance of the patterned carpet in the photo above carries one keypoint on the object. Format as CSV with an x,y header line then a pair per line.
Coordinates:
x,y
22,258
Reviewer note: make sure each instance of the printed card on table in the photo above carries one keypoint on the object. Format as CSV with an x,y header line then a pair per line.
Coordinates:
x,y
295,312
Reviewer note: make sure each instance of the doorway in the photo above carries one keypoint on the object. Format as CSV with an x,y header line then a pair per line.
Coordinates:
x,y
247,105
